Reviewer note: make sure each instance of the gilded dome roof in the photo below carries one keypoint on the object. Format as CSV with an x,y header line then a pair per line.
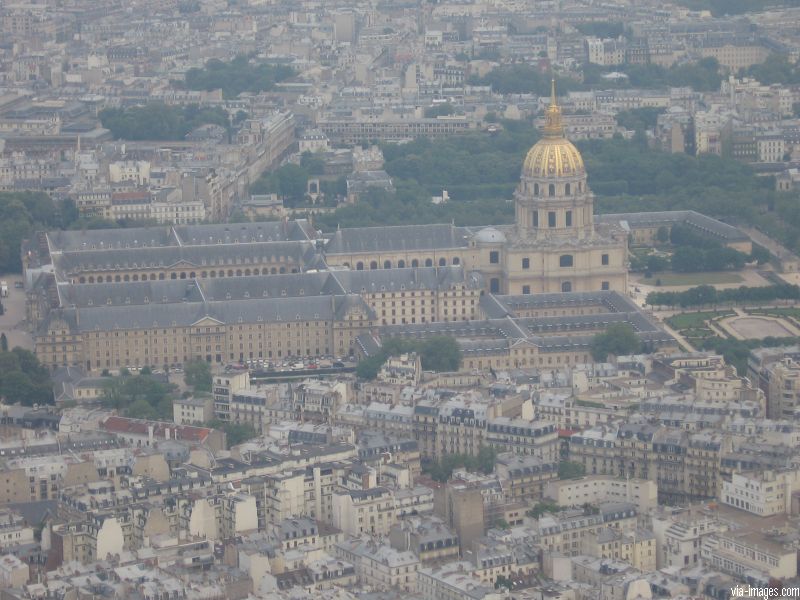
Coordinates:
x,y
554,155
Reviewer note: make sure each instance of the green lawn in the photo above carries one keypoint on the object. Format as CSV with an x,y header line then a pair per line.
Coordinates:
x,y
695,320
680,279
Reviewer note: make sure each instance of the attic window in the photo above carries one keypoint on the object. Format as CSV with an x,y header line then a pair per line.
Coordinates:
x,y
283,292
108,301
146,300
239,320
90,303
302,292
297,317
228,296
265,294
127,300
383,288
259,318
316,316
163,298
247,294
402,286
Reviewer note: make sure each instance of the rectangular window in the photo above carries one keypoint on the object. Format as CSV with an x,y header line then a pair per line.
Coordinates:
x,y
551,218
604,286
569,218
605,259
536,218
526,263
526,289
494,257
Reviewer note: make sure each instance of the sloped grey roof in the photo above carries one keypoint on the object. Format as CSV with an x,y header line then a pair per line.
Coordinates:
x,y
94,239
183,314
229,255
398,238
137,292
422,278
698,221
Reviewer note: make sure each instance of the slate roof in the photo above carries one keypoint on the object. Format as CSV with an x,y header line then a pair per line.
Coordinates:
x,y
423,278
179,235
397,238
702,223
230,256
268,310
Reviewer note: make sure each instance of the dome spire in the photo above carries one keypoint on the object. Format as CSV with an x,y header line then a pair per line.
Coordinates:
x,y
553,127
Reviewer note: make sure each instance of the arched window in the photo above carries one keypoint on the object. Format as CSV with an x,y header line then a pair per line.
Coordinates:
x,y
551,190
152,276
568,189
373,265
565,260
566,286
359,266
282,270
161,277
238,272
442,262
456,260
256,272
126,278
136,277
192,275
428,262
183,275
414,263
230,272
83,280
387,264
401,264
117,278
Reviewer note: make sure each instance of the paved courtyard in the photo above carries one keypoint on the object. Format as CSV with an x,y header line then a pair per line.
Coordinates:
x,y
12,322
755,327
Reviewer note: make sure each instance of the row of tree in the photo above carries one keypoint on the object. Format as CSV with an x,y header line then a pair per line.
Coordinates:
x,y
618,339
706,295
437,353
158,121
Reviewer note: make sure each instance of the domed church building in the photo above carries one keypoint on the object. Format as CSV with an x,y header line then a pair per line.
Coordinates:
x,y
556,245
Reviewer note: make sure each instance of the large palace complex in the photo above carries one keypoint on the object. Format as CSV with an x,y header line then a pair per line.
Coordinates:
x,y
528,294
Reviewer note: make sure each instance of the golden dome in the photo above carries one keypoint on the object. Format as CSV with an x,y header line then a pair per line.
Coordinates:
x,y
554,155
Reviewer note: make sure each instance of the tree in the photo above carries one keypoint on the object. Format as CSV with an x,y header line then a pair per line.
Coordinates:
x,y
237,76
543,507
198,375
440,110
440,353
157,121
662,235
313,164
235,433
502,581
570,470
619,339
760,254
3,342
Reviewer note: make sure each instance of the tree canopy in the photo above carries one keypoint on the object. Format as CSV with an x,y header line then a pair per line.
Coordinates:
x,y
157,121
618,339
21,214
777,68
570,470
235,433
198,375
237,76
720,8
140,396
441,471
23,379
709,295
437,353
